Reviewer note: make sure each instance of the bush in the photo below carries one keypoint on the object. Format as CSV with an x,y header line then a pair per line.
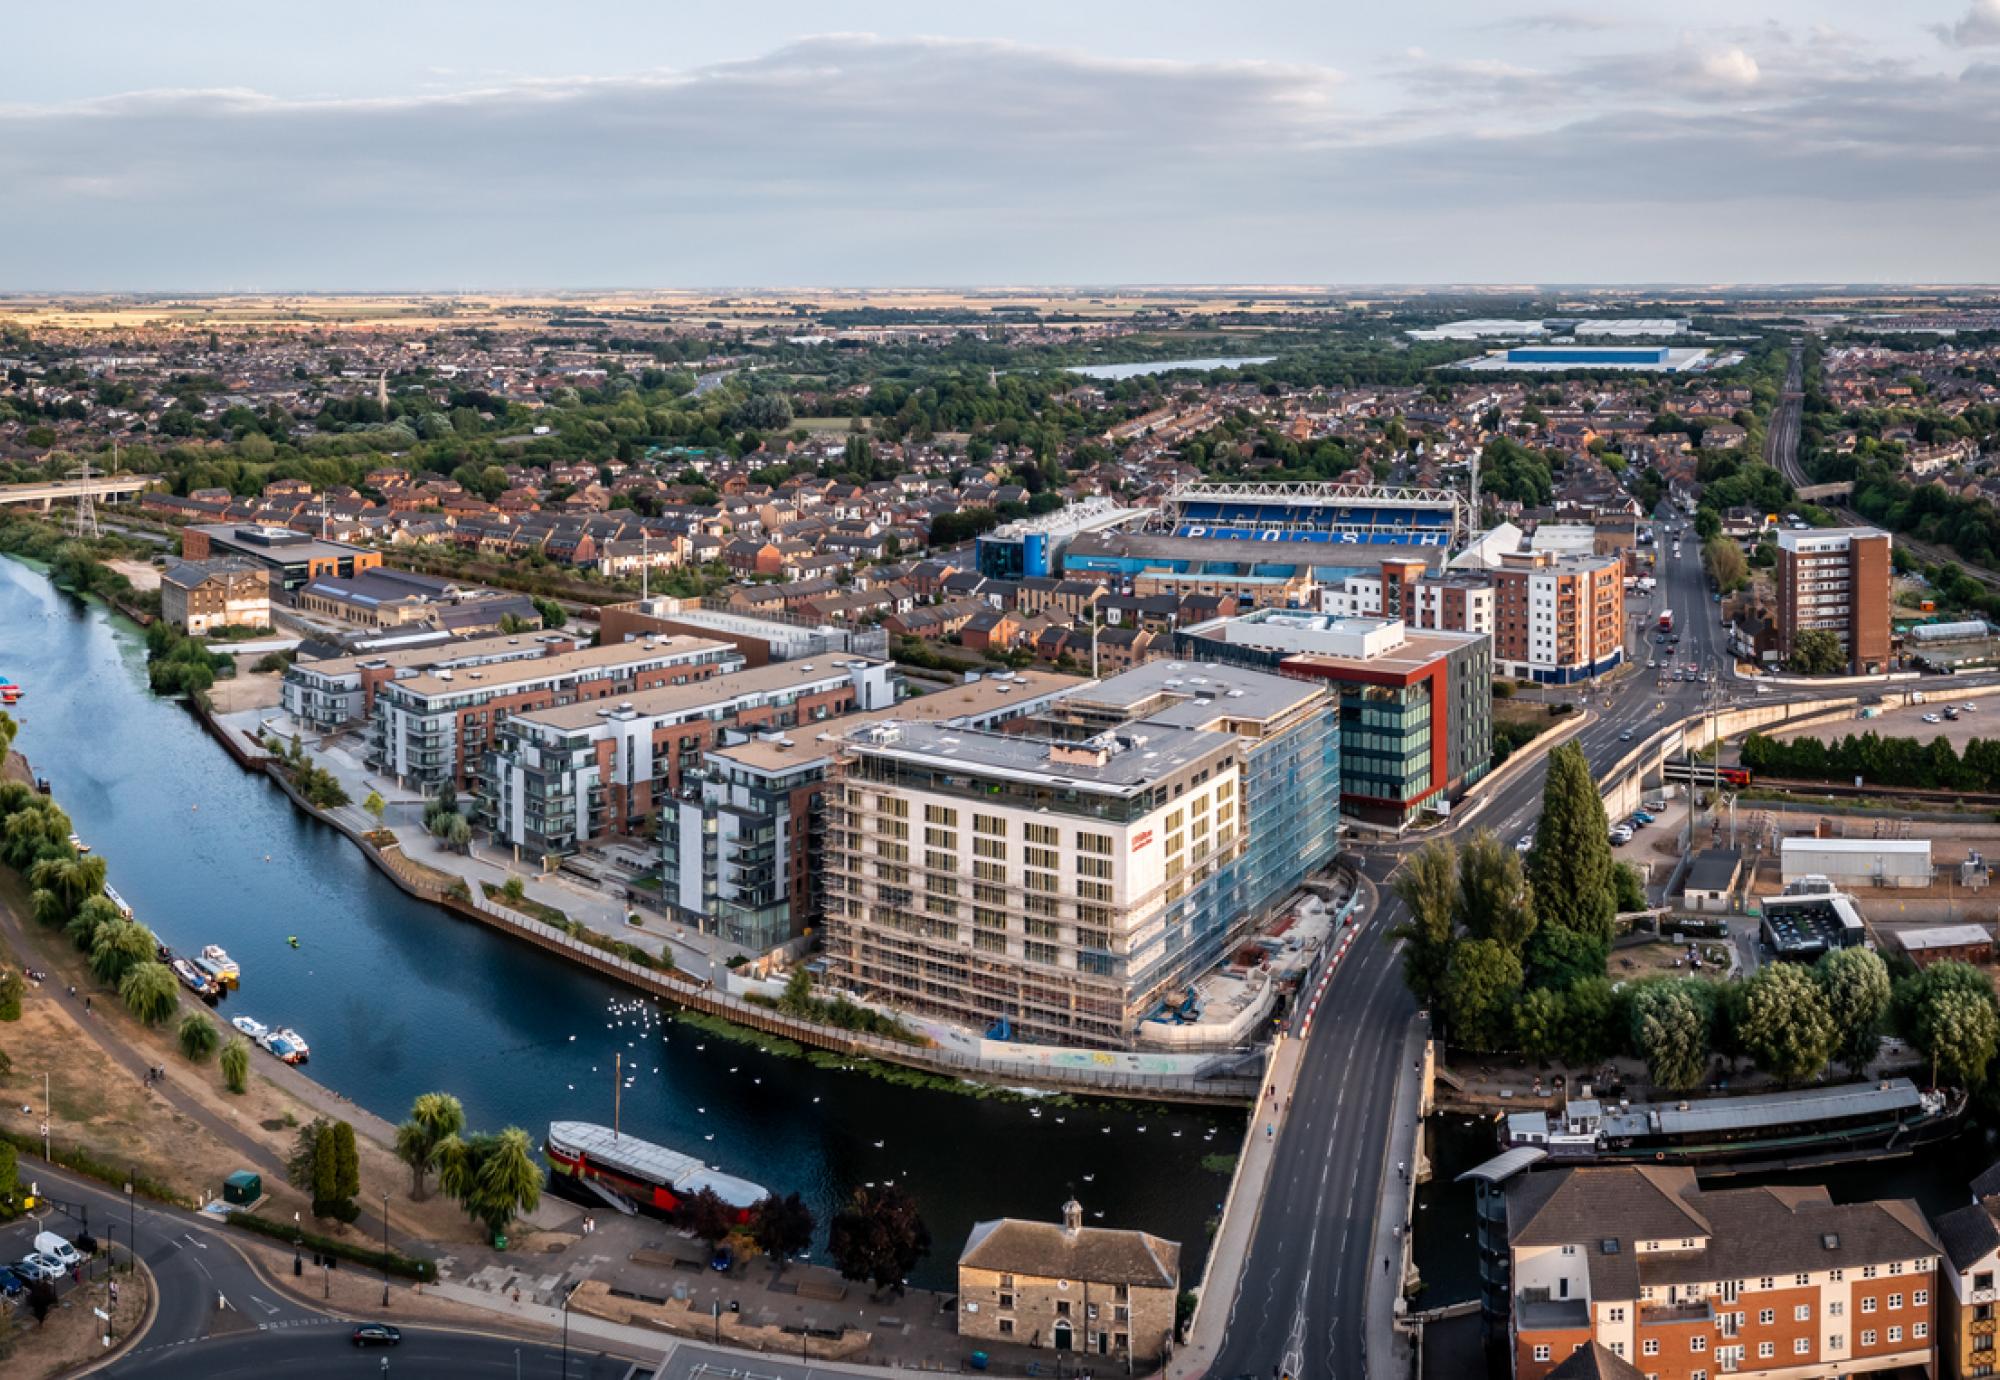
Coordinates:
x,y
402,1266
198,1036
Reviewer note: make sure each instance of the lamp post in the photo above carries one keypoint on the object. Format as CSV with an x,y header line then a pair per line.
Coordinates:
x,y
131,1214
565,1312
385,1261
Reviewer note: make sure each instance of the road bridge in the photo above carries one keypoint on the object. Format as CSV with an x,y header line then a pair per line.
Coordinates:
x,y
48,493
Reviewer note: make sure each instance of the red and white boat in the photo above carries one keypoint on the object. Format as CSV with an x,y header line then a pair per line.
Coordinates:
x,y
652,1176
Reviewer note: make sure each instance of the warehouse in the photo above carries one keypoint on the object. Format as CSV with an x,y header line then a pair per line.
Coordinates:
x,y
1857,862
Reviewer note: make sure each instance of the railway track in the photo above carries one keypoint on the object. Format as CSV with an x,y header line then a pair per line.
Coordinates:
x,y
1847,790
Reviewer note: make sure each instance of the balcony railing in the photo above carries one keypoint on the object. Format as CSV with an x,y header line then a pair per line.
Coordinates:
x,y
1699,1311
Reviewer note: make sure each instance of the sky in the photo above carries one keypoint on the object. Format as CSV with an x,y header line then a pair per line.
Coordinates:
x,y
237,145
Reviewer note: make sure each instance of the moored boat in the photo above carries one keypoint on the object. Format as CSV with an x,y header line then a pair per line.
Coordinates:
x,y
217,959
300,1051
251,1027
1854,1121
111,895
76,842
650,1175
195,980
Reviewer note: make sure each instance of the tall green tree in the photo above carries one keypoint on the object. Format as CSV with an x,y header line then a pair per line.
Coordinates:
x,y
508,1182
1427,883
1670,1032
1480,985
1785,1024
346,1161
878,1237
1815,652
235,1064
119,947
198,1037
1856,985
1947,1011
1590,1029
1538,1023
1570,863
1493,898
782,1227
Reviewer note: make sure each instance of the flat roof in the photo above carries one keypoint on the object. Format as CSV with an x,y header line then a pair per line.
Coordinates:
x,y
1148,753
1714,869
563,663
1792,538
1807,843
1418,650
433,653
283,544
1200,693
673,699
1778,1109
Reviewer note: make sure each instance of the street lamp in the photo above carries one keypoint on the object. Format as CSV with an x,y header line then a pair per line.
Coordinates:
x,y
131,1215
385,1262
565,1312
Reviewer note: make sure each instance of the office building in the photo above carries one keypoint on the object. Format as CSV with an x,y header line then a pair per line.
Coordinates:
x,y
293,558
436,726
741,844
560,776
1416,708
1837,579
1557,618
200,596
1682,1281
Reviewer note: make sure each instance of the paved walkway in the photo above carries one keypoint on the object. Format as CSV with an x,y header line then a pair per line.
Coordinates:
x,y
1391,1352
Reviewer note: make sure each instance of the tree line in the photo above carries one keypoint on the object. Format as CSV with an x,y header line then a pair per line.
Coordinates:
x,y
1876,759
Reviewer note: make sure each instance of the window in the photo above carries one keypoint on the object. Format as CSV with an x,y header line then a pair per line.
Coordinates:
x,y
1920,1298
1618,1315
1895,1301
1802,1280
1895,1267
1803,1313
1801,1346
1006,1327
1868,1337
1919,1331
1766,1350
1569,1250
1541,1353
1836,1275
1835,1308
1650,1347
1006,1300
1837,1342
1895,1334
1868,1272
1094,843
1868,1304
1043,834
988,824
1697,1343
1766,1316
1767,1282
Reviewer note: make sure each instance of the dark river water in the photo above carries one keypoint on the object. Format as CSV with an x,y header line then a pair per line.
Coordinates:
x,y
398,998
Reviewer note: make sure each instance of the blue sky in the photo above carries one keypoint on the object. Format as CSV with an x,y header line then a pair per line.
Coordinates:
x,y
212,146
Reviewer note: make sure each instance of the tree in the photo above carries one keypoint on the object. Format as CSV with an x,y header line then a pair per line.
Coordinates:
x,y
150,992
434,1116
41,1299
706,1215
198,1036
1493,898
1630,890
782,1227
1480,985
1428,885
119,947
12,987
1707,524
798,994
10,1171
323,1168
1570,863
513,889
1670,1032
455,832
1784,1023
1538,1023
235,1063
507,1182
376,807
1590,1028
1725,563
553,614
346,1161
1855,983
1947,1011
878,1237
1815,652
90,919
73,879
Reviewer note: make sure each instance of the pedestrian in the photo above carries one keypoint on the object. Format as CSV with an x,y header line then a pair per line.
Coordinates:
x,y
86,1002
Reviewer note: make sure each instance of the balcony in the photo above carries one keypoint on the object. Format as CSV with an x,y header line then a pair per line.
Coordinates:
x,y
1701,1311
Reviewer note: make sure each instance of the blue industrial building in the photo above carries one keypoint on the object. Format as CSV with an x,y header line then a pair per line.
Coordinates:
x,y
1583,356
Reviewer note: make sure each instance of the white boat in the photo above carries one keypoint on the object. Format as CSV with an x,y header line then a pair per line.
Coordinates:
x,y
195,980
217,958
252,1027
300,1050
111,895
78,844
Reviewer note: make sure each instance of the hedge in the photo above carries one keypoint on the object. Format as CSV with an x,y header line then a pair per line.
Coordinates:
x,y
407,1267
80,1161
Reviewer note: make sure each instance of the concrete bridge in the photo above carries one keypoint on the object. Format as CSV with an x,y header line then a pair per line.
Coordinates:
x,y
1813,492
50,493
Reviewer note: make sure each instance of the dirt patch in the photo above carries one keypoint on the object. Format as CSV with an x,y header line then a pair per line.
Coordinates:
x,y
247,689
1660,959
143,575
73,1335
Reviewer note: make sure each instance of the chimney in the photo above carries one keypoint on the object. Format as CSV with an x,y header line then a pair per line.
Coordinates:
x,y
1072,1217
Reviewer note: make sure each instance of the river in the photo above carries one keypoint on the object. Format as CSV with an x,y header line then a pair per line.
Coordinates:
x,y
1114,372
398,998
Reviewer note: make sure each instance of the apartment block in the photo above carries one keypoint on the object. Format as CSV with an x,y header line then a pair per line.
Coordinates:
x,y
201,596
1449,601
1687,1283
329,692
1837,579
1969,1274
559,776
742,844
1557,618
1021,883
436,727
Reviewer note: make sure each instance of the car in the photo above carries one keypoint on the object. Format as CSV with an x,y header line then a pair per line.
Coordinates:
x,y
1652,663
11,1283
1644,816
377,1334
723,1260
1524,843
1931,719
1968,706
36,1266
1626,736
1621,835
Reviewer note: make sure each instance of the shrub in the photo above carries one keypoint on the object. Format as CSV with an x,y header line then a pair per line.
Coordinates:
x,y
198,1036
403,1266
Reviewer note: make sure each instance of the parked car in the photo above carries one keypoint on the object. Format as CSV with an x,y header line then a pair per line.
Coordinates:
x,y
377,1334
38,1267
1524,843
723,1260
11,1283
1644,817
1968,707
1620,835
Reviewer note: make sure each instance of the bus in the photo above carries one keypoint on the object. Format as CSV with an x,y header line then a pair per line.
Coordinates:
x,y
1666,620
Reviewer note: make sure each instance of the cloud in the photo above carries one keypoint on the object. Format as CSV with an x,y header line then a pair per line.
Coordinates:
x,y
854,159
1979,29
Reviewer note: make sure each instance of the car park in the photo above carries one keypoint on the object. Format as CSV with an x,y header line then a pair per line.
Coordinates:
x,y
377,1334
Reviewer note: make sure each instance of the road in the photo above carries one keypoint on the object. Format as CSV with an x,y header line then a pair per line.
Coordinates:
x,y
310,1353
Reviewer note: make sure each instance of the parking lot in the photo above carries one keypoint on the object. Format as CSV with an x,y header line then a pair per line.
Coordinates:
x,y
1976,718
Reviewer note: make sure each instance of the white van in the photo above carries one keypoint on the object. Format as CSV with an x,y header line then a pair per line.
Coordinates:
x,y
55,1248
